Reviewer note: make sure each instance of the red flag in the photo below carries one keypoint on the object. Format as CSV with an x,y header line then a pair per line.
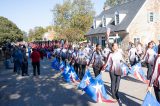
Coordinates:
x,y
108,32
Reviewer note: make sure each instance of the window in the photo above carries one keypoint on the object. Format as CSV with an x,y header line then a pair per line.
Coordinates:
x,y
151,17
95,40
103,42
119,41
137,40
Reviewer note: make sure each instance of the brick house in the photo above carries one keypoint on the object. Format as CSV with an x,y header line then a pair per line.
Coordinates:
x,y
49,36
135,21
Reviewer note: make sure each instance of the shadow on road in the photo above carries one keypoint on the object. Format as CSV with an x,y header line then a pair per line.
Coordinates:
x,y
43,91
128,78
125,98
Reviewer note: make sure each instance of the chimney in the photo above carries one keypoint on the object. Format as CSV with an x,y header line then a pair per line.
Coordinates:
x,y
106,7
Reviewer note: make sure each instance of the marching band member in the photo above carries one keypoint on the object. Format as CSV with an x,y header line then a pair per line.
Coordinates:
x,y
75,60
63,53
114,60
149,58
69,54
132,55
57,52
139,49
82,61
97,60
106,52
155,78
87,50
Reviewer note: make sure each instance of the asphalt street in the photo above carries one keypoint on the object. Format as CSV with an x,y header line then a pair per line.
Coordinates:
x,y
49,89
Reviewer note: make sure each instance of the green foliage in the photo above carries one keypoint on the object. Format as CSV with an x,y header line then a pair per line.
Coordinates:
x,y
9,32
25,37
36,33
112,3
73,18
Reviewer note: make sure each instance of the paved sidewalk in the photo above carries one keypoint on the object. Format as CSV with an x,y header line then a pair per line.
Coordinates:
x,y
50,90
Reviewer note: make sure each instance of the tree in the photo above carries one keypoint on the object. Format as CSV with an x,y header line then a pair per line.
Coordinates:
x,y
62,14
25,37
73,18
112,3
9,32
36,33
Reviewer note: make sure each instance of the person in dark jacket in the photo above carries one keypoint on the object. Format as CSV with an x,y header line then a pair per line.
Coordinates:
x,y
35,56
25,66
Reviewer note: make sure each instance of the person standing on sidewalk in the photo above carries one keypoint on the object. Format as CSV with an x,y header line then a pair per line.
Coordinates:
x,y
18,58
35,56
24,66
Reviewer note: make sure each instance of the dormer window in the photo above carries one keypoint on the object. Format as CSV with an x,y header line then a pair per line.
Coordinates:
x,y
117,18
104,21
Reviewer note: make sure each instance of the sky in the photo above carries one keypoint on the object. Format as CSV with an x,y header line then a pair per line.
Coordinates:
x,y
27,14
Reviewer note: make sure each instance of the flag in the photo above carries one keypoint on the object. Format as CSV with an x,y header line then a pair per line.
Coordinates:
x,y
70,75
66,69
124,69
49,55
97,91
65,73
55,64
87,78
150,100
138,73
62,66
155,48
